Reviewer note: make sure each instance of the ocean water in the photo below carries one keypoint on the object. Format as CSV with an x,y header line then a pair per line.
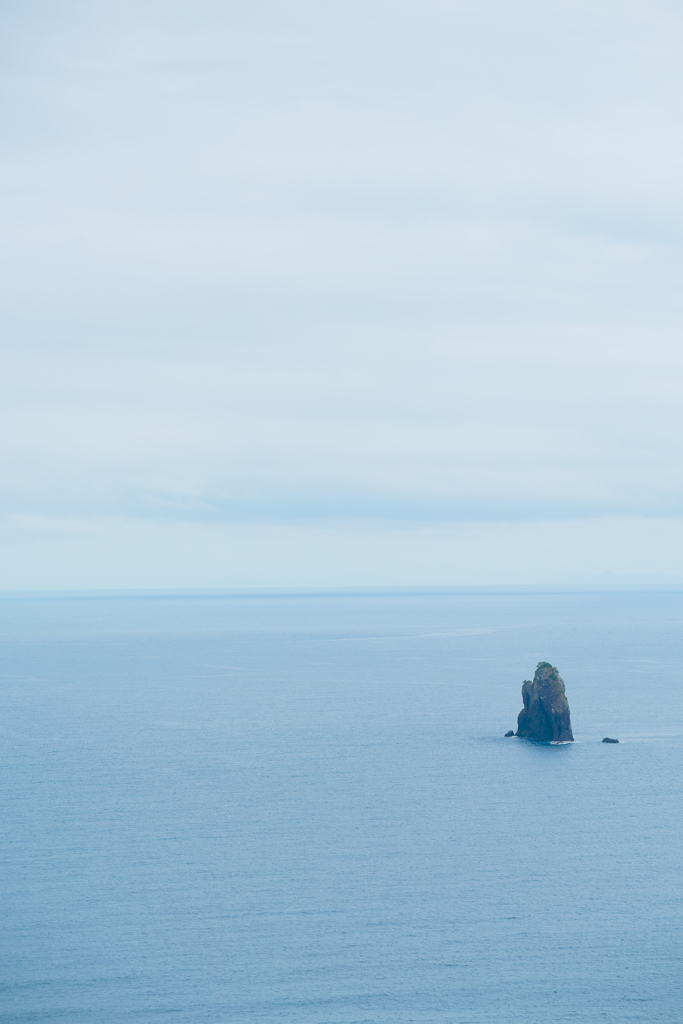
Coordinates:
x,y
300,809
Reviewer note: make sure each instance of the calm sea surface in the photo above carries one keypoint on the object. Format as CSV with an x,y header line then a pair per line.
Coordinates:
x,y
302,810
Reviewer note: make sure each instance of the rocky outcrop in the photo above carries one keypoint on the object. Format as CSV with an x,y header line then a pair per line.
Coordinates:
x,y
545,715
511,733
608,739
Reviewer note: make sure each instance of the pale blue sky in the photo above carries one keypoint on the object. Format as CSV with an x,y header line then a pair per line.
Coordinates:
x,y
319,294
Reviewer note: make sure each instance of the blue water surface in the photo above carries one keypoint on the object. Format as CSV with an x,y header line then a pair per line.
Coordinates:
x,y
300,809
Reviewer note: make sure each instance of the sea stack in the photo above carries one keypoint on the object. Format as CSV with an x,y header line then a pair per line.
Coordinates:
x,y
545,715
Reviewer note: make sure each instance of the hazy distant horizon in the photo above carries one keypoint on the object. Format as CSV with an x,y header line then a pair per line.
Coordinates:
x,y
603,583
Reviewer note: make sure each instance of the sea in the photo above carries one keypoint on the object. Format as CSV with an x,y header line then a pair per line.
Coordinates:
x,y
300,808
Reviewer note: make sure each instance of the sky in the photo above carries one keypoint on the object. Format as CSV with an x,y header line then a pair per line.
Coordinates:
x,y
363,294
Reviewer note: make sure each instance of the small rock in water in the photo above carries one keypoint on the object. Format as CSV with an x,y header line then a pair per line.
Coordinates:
x,y
608,739
511,733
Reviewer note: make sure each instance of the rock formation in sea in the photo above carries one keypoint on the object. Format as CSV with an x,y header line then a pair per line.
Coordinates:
x,y
510,733
545,715
608,739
